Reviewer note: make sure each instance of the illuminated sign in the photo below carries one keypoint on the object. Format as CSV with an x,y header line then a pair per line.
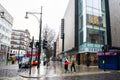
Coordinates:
x,y
93,20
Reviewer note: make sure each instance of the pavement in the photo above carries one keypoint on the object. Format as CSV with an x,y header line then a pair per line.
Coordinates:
x,y
8,70
57,69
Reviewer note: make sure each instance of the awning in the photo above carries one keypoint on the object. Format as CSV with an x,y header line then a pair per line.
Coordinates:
x,y
107,54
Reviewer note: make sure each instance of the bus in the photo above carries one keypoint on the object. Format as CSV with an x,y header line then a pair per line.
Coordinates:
x,y
34,56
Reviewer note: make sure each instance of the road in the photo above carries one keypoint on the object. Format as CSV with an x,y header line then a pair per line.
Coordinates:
x,y
106,76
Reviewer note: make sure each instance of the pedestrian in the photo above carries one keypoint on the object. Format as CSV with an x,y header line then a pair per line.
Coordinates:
x,y
66,65
73,65
47,63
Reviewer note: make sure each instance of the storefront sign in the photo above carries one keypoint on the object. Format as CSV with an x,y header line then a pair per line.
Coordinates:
x,y
89,50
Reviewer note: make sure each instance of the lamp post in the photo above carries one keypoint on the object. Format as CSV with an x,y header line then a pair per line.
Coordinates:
x,y
40,28
31,54
19,49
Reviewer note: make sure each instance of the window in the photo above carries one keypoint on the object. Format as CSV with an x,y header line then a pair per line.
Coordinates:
x,y
103,5
80,7
94,7
89,3
80,22
96,4
93,4
95,36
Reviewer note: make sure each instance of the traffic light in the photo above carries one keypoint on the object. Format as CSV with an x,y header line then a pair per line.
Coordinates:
x,y
44,44
37,45
31,44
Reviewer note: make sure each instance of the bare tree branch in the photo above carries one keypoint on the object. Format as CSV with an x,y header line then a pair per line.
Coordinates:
x,y
49,35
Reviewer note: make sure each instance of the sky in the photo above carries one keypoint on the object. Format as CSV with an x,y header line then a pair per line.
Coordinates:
x,y
53,11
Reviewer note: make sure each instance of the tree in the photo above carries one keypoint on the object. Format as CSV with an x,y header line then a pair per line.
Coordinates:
x,y
48,35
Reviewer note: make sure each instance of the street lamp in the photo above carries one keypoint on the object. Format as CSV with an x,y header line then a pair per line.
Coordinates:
x,y
2,14
19,49
40,28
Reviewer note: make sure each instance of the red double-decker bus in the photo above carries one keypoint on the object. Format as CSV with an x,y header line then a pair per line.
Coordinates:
x,y
34,56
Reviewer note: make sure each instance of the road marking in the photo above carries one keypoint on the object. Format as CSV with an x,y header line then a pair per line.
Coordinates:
x,y
11,78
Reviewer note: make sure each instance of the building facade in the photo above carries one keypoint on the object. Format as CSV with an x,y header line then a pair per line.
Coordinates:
x,y
20,41
92,29
84,30
6,24
113,22
70,33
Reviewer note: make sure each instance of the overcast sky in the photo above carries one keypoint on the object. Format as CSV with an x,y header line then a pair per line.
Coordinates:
x,y
53,12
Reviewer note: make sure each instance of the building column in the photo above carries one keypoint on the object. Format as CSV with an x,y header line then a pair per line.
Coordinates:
x,y
78,59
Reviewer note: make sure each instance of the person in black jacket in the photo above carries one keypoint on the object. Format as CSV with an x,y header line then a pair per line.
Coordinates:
x,y
73,65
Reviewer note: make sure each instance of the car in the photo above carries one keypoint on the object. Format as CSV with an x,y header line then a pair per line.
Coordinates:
x,y
34,63
24,63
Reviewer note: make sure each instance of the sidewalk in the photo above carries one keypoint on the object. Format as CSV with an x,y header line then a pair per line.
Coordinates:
x,y
57,69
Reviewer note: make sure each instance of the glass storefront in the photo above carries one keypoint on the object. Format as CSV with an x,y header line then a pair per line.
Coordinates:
x,y
93,59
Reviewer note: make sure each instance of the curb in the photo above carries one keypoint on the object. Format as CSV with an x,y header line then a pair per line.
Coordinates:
x,y
29,76
59,75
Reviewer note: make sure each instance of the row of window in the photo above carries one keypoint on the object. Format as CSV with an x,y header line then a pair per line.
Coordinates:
x,y
18,38
18,47
21,43
4,47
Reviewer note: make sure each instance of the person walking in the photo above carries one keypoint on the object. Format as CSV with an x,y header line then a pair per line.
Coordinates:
x,y
73,65
66,65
